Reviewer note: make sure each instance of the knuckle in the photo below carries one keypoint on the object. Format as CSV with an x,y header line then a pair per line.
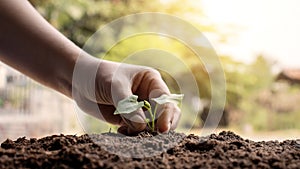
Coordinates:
x,y
152,72
165,108
139,126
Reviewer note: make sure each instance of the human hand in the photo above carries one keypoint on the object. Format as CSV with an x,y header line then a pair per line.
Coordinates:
x,y
51,59
116,81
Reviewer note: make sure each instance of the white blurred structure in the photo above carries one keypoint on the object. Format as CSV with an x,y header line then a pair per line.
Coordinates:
x,y
31,110
3,71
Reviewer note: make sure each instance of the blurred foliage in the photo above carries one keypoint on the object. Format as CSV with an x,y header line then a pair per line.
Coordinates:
x,y
1,102
243,80
265,103
79,19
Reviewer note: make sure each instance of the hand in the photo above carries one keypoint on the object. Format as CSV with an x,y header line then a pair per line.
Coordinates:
x,y
50,59
116,81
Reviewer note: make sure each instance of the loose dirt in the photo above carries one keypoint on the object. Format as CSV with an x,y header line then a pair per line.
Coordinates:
x,y
171,150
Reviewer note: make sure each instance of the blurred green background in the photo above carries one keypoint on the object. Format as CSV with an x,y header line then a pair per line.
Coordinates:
x,y
258,98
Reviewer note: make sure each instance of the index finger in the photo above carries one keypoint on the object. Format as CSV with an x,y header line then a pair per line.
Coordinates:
x,y
149,84
168,117
168,114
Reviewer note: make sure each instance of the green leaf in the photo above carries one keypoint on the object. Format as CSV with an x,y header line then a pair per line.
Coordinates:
x,y
147,105
128,105
172,98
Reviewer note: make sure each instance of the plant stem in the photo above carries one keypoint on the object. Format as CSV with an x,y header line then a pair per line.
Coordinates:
x,y
154,116
151,114
148,124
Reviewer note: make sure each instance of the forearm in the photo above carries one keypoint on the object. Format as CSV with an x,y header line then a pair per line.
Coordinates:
x,y
31,45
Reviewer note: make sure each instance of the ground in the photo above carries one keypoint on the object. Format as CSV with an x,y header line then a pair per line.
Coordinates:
x,y
171,150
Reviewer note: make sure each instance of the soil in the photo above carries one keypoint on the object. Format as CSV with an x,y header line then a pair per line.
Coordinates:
x,y
172,150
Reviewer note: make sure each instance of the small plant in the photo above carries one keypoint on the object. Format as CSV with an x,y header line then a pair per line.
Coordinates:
x,y
131,104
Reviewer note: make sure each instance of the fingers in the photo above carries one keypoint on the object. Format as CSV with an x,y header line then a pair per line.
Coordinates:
x,y
102,112
130,124
168,114
176,117
123,130
133,123
108,116
135,120
118,83
168,117
149,84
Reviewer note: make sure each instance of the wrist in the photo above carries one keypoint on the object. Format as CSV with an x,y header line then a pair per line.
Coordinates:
x,y
83,76
61,78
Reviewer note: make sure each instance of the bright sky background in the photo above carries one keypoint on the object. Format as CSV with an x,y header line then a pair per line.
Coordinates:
x,y
270,27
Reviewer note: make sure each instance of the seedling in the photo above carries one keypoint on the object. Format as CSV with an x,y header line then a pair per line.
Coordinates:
x,y
131,104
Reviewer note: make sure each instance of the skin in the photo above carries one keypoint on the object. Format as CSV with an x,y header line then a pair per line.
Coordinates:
x,y
31,45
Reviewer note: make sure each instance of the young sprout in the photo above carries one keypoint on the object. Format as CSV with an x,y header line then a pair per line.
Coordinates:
x,y
131,104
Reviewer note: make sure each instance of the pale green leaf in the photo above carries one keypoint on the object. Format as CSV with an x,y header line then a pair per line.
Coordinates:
x,y
172,98
128,105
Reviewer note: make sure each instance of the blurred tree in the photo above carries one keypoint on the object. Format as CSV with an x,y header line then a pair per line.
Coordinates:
x,y
262,69
244,84
79,19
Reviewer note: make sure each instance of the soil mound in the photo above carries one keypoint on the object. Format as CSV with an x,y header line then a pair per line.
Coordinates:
x,y
171,150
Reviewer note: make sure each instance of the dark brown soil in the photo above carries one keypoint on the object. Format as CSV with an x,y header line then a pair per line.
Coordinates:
x,y
109,150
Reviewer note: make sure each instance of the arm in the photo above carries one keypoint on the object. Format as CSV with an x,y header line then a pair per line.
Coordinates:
x,y
31,45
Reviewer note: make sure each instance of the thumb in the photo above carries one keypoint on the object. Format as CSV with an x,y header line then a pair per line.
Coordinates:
x,y
135,120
